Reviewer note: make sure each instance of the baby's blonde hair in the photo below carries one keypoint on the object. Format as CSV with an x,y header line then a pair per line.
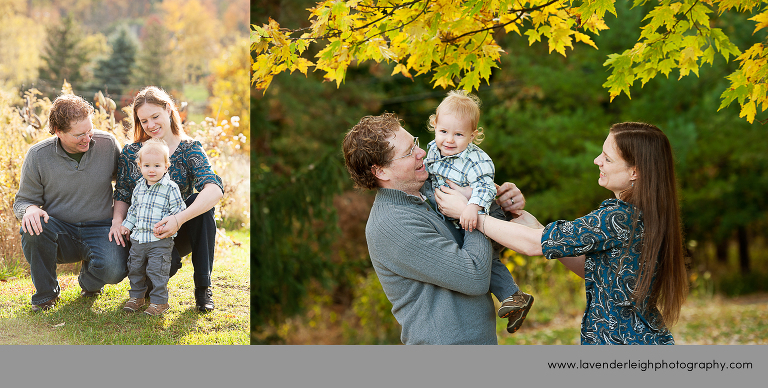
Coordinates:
x,y
154,146
463,105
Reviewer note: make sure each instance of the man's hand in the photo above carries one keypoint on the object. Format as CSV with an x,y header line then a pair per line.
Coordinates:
x,y
509,197
117,231
464,190
30,223
468,218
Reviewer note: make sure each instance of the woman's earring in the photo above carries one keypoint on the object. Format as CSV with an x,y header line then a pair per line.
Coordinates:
x,y
633,183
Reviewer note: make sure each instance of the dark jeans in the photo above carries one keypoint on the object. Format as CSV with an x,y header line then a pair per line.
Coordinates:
x,y
198,237
104,262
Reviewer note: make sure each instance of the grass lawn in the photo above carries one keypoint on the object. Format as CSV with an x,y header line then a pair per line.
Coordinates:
x,y
703,321
101,321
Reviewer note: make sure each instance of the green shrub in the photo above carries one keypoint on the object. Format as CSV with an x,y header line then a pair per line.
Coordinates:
x,y
373,322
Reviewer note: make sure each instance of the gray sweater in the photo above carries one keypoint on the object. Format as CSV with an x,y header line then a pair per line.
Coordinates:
x,y
438,287
68,190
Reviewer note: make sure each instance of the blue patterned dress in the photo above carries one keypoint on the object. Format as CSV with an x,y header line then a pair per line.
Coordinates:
x,y
610,274
189,169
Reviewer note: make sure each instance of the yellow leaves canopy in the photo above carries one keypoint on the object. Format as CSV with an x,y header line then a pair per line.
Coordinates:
x,y
455,41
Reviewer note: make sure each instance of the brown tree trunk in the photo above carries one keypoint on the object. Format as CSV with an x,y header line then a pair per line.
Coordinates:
x,y
721,251
743,249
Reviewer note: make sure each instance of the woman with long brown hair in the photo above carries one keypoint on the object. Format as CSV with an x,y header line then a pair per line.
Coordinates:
x,y
155,116
629,251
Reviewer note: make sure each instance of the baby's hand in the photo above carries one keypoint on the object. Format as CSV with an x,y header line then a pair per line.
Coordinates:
x,y
124,231
468,218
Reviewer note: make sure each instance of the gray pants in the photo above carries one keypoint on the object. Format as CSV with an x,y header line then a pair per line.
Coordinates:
x,y
150,260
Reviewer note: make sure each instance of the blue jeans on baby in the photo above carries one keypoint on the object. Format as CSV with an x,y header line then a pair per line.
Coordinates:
x,y
104,261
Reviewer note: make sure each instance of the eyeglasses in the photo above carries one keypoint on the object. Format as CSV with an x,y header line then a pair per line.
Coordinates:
x,y
80,136
415,144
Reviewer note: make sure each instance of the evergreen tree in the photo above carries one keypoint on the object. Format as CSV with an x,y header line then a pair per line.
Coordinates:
x,y
112,74
64,56
153,63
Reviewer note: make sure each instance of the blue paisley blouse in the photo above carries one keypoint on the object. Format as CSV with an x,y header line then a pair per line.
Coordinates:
x,y
189,169
610,274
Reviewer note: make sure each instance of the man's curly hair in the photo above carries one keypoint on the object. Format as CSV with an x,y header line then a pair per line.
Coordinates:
x,y
66,110
366,145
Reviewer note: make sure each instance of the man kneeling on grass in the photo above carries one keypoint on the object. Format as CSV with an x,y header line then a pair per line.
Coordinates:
x,y
65,207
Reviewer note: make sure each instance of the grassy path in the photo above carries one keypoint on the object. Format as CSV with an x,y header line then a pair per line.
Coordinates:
x,y
101,321
703,321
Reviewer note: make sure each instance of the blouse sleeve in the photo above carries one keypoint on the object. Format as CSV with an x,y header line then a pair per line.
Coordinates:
x,y
200,167
125,184
601,230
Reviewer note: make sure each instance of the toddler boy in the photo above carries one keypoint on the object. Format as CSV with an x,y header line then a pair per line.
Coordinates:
x,y
455,156
155,197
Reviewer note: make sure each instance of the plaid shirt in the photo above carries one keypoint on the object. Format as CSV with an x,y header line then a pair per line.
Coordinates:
x,y
471,167
149,205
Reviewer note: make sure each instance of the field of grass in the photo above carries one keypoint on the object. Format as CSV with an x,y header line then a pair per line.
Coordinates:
x,y
101,321
703,321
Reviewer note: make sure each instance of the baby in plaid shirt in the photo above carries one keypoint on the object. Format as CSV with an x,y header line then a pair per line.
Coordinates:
x,y
155,197
455,156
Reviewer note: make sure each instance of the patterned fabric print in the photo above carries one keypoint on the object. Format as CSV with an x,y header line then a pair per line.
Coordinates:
x,y
610,275
189,169
471,167
150,204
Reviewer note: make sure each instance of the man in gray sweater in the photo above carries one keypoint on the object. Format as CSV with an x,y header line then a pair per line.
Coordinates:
x,y
64,204
436,276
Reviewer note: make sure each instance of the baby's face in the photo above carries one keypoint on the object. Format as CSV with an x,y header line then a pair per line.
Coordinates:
x,y
153,167
452,134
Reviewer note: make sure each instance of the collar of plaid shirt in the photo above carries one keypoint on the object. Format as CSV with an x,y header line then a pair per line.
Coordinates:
x,y
433,153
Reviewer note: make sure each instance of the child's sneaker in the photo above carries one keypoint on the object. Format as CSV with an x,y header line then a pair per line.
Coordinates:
x,y
516,302
156,309
517,317
133,305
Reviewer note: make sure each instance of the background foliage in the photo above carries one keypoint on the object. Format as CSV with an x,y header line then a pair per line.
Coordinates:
x,y
546,117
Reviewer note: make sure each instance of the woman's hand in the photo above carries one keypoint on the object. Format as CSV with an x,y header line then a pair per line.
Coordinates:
x,y
450,202
167,227
509,197
527,219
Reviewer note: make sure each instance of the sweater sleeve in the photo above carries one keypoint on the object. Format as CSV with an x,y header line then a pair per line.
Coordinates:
x,y
30,187
409,245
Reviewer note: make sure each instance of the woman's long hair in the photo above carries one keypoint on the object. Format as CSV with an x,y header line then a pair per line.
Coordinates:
x,y
155,96
654,192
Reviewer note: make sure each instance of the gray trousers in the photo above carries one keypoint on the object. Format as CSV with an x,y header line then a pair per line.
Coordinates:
x,y
150,260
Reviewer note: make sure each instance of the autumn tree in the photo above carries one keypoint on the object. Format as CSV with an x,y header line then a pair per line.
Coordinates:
x,y
153,61
20,43
195,31
230,91
456,42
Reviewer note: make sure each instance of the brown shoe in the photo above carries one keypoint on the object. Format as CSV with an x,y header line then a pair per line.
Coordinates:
x,y
517,301
156,309
91,294
133,305
45,306
517,317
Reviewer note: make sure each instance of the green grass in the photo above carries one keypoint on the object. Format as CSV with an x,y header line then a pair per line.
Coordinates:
x,y
704,320
101,321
